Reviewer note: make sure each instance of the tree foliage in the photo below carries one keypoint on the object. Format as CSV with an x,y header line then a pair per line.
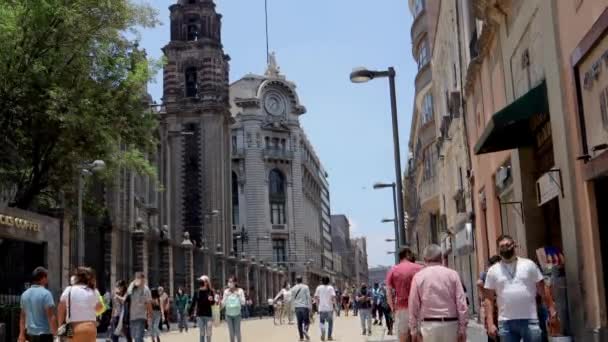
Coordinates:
x,y
72,90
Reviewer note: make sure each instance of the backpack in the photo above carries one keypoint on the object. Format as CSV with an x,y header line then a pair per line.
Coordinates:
x,y
233,305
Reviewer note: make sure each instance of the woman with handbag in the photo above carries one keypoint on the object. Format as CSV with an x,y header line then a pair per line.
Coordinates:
x,y
202,301
233,300
117,327
78,306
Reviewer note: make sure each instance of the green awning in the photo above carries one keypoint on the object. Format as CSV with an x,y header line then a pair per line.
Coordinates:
x,y
509,128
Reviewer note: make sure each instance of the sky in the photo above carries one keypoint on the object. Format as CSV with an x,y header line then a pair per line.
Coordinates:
x,y
317,44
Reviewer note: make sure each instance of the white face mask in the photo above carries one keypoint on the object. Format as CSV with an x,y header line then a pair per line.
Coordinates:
x,y
139,282
231,284
73,280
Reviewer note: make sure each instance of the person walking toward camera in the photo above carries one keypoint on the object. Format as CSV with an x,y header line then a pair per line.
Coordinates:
x,y
181,303
139,302
364,300
117,323
437,302
325,295
165,306
232,301
202,301
38,322
78,306
303,305
157,315
515,282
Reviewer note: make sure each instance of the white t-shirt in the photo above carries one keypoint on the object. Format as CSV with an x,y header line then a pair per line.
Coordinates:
x,y
515,287
325,293
83,302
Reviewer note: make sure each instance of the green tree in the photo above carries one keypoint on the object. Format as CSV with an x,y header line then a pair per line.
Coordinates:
x,y
72,89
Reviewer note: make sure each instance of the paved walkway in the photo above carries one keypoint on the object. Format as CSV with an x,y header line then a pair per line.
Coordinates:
x,y
346,329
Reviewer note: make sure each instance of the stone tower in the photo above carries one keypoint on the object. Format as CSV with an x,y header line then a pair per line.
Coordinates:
x,y
196,136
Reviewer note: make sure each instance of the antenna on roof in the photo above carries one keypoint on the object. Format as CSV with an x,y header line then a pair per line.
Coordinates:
x,y
267,43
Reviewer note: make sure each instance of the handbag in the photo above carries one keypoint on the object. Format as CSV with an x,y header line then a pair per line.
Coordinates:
x,y
66,329
215,314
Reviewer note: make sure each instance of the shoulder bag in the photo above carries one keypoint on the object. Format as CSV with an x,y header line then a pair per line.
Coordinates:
x,y
66,329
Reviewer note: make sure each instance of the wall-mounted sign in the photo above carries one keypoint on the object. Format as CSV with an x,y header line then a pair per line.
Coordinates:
x,y
19,223
548,186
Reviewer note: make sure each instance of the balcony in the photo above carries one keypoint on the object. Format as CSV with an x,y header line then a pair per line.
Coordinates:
x,y
238,153
418,30
429,193
277,154
424,77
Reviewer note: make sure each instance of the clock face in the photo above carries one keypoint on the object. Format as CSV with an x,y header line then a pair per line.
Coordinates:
x,y
274,104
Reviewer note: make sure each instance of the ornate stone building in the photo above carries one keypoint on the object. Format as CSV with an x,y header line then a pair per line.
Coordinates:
x,y
277,177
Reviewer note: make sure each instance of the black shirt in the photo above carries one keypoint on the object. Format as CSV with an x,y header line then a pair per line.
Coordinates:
x,y
366,301
202,303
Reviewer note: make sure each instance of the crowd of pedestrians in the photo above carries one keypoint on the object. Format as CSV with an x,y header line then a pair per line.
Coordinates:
x,y
425,302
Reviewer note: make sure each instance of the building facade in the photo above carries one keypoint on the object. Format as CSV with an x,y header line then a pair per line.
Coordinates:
x,y
280,189
342,250
361,275
377,275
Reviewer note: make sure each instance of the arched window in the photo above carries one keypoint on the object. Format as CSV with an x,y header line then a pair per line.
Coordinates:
x,y
276,184
192,29
235,199
191,84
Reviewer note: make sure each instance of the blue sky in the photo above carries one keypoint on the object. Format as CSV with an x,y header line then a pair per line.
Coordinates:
x,y
317,43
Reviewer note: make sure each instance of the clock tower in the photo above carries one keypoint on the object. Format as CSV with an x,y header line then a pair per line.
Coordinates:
x,y
195,131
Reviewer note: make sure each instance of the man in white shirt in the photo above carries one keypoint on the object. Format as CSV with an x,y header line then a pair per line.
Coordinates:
x,y
515,282
325,295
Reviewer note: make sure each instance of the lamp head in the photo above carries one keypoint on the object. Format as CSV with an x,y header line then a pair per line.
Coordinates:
x,y
361,75
387,220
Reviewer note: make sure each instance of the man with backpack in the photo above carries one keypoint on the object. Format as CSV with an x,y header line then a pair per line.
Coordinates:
x,y
303,304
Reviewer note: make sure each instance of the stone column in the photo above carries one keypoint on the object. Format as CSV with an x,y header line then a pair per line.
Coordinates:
x,y
189,263
139,251
166,265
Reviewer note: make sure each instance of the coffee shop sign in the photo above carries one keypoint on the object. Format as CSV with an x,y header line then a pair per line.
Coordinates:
x,y
593,74
19,223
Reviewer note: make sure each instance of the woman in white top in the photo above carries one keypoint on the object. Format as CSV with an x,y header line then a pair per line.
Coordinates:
x,y
233,300
78,306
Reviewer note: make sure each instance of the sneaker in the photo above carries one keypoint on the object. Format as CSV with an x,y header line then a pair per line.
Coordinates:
x,y
369,333
306,337
330,338
363,332
323,337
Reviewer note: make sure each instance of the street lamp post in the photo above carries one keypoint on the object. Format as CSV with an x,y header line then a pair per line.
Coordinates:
x,y
362,75
84,170
395,220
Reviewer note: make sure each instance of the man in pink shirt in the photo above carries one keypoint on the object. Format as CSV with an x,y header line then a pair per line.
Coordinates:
x,y
438,305
398,283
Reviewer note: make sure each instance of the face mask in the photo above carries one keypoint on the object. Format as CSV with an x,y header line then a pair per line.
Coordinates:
x,y
364,289
180,292
507,254
139,282
231,285
73,280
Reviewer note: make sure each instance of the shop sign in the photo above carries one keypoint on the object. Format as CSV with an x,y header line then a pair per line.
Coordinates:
x,y
548,186
18,223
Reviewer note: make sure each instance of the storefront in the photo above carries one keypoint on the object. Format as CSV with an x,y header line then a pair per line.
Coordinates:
x,y
590,67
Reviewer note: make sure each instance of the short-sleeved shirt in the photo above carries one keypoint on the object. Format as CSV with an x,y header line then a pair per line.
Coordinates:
x,y
34,302
326,294
140,298
400,278
365,299
515,287
81,303
301,296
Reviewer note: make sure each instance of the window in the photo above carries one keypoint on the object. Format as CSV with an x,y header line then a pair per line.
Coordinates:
x,y
235,199
192,30
423,55
434,228
427,109
234,143
418,7
277,196
278,251
428,167
191,85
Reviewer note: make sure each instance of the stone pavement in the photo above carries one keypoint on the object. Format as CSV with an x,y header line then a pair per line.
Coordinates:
x,y
346,329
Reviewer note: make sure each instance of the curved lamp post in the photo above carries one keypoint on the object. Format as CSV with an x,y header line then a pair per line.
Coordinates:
x,y
362,75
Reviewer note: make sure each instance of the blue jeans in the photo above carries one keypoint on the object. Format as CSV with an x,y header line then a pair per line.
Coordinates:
x,y
326,316
182,319
515,330
155,328
205,325
303,317
234,327
138,329
366,318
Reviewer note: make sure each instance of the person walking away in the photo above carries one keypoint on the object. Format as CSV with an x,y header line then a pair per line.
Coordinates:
x,y
325,295
157,315
515,283
181,303
79,304
437,303
398,282
385,310
117,323
202,301
376,309
284,297
232,301
139,303
481,290
165,306
303,305
38,322
354,302
364,302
